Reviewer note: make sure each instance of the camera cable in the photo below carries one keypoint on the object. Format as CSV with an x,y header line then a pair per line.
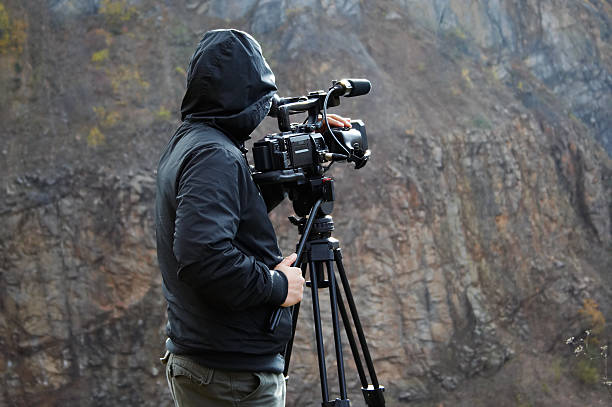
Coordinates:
x,y
348,154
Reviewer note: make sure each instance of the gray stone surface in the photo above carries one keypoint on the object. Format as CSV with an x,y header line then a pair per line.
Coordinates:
x,y
552,38
73,7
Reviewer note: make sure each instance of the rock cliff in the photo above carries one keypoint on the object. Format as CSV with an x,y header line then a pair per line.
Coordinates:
x,y
477,239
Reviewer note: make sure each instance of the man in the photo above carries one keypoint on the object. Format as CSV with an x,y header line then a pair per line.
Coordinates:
x,y
223,273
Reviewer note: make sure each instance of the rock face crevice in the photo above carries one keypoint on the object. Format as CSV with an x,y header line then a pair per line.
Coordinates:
x,y
79,276
476,240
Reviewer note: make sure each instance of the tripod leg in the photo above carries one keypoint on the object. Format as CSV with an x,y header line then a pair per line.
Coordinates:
x,y
373,394
336,325
315,271
295,314
351,338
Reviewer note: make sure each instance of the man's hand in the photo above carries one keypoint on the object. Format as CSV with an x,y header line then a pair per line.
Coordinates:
x,y
334,121
295,288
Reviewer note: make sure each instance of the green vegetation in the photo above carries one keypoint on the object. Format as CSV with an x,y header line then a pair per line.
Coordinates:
x,y
4,26
574,118
459,33
592,367
106,119
481,122
13,34
100,56
127,84
587,372
457,41
521,402
557,370
95,137
291,12
163,114
181,35
465,74
116,13
126,75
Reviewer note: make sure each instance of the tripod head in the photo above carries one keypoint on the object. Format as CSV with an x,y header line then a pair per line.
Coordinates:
x,y
322,226
304,195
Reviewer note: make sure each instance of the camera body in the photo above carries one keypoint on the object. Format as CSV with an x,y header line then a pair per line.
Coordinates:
x,y
289,151
304,149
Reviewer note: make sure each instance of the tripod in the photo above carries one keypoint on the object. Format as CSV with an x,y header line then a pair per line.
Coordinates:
x,y
320,252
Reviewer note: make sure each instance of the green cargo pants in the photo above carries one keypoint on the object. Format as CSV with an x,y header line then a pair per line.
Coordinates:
x,y
192,384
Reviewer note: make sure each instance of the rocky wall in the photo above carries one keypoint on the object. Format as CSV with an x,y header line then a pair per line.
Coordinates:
x,y
477,239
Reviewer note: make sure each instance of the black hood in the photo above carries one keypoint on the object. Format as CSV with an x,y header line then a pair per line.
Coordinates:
x,y
229,83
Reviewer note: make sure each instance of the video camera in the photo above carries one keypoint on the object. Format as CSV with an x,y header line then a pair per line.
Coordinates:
x,y
299,153
294,161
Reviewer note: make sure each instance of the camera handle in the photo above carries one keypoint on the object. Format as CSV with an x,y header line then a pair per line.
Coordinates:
x,y
275,319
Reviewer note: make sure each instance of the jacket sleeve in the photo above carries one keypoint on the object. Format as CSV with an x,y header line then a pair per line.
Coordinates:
x,y
209,201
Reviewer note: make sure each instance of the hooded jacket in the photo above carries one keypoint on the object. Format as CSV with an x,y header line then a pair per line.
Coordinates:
x,y
215,243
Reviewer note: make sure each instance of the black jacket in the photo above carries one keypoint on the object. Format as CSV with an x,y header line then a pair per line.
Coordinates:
x,y
216,246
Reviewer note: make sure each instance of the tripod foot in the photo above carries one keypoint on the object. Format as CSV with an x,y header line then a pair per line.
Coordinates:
x,y
337,403
374,397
